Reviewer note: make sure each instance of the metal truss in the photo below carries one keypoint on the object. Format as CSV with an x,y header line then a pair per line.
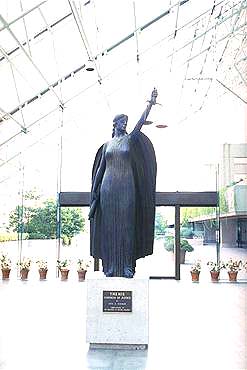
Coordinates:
x,y
222,13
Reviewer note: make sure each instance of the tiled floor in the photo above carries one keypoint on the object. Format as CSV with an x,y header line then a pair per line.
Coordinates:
x,y
192,326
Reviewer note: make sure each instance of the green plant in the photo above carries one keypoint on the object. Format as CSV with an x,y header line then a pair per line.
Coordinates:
x,y
42,264
63,264
72,222
233,265
198,234
160,224
6,237
169,243
196,267
83,264
223,200
214,266
188,213
66,240
184,244
5,262
186,232
25,263
39,222
245,266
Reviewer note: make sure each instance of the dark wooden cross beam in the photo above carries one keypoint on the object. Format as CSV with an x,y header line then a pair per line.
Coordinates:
x,y
183,199
176,199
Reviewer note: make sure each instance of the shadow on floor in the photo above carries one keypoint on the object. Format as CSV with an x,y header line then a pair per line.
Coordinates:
x,y
116,359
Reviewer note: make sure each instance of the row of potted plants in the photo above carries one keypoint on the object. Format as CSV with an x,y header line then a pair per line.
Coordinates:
x,y
25,265
82,267
232,267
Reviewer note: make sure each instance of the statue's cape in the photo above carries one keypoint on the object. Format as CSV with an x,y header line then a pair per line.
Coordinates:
x,y
144,169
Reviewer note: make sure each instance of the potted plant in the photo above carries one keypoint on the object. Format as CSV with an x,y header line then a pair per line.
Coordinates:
x,y
42,266
195,271
233,267
5,263
245,266
24,266
214,269
82,267
185,246
63,266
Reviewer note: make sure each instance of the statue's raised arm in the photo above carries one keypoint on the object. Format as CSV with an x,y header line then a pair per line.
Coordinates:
x,y
145,114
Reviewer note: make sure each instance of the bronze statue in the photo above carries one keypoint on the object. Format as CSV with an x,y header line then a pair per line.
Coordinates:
x,y
123,198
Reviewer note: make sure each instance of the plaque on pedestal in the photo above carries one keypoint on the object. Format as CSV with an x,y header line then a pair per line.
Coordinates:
x,y
117,312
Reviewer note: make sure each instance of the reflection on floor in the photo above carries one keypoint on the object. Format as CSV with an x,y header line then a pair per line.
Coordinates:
x,y
192,326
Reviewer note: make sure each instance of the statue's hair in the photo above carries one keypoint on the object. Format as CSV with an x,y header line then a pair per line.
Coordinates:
x,y
116,118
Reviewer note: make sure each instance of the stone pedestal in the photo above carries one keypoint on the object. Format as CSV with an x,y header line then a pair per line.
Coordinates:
x,y
117,312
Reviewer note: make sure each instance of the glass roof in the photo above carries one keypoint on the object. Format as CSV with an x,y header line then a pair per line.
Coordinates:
x,y
54,113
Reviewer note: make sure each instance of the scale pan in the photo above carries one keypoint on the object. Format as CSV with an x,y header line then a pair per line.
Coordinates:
x,y
161,126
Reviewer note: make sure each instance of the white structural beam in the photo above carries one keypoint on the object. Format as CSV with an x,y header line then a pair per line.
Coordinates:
x,y
15,68
83,35
28,56
22,15
6,114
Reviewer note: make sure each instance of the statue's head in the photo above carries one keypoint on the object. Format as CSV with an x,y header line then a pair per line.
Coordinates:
x,y
120,123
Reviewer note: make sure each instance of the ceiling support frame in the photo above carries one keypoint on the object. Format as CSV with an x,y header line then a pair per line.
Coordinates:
x,y
22,15
28,56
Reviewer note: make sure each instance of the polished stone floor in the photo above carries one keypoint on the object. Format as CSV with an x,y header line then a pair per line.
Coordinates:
x,y
192,326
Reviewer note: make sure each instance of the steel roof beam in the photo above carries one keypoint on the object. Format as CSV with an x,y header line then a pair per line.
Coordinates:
x,y
38,34
5,114
43,92
22,15
27,55
83,36
109,49
81,67
143,27
228,88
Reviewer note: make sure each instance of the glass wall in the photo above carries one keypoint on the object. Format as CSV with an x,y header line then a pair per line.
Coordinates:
x,y
28,191
55,114
74,242
162,261
199,238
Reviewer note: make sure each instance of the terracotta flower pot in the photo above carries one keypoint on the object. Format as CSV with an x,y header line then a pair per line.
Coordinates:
x,y
214,275
42,274
64,274
24,274
81,275
5,274
232,275
195,275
